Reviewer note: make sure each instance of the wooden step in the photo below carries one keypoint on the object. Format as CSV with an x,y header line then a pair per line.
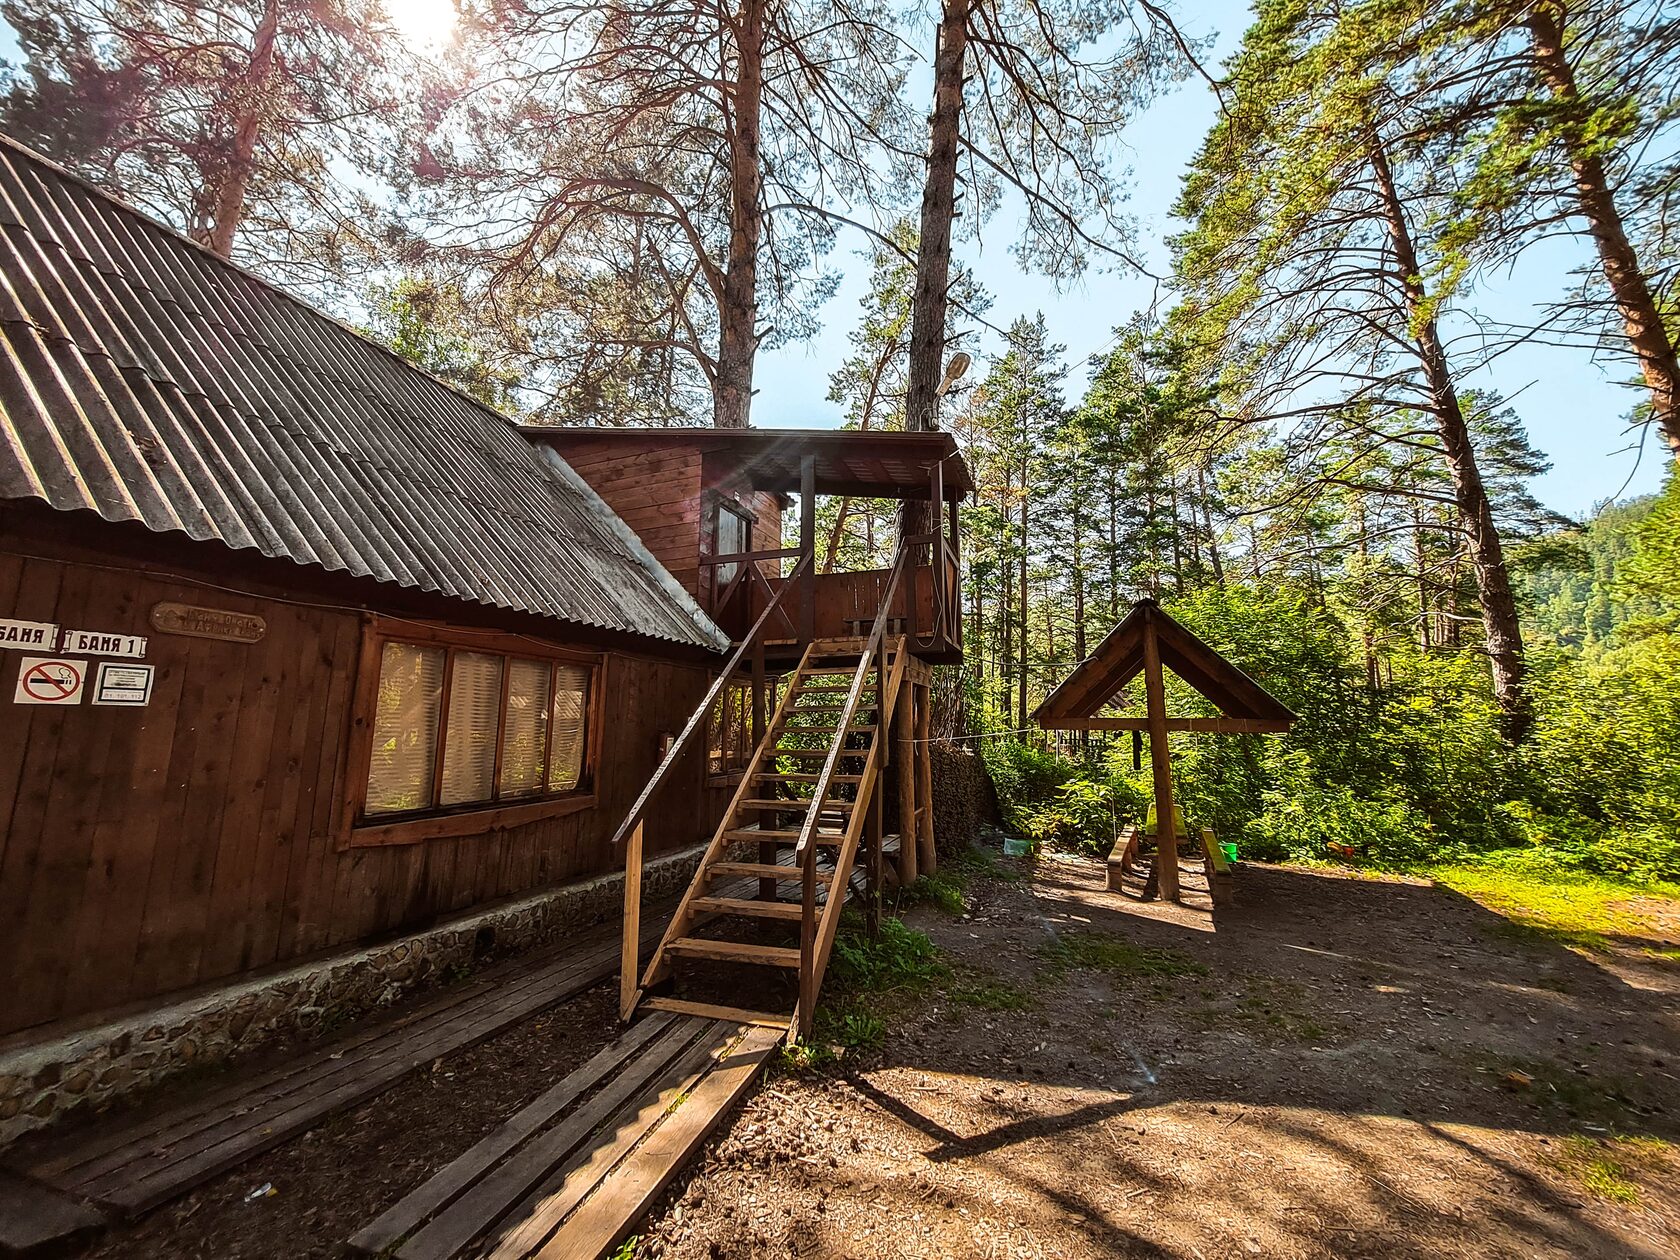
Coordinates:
x,y
801,776
736,1014
769,834
764,870
733,951
825,708
823,752
789,804
748,907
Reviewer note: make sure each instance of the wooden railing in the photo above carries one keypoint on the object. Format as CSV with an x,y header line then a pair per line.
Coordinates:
x,y
805,852
697,720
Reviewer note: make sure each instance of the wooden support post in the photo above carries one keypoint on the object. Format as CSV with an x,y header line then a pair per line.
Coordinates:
x,y
1166,834
808,547
874,830
767,890
904,754
954,590
928,855
629,960
808,942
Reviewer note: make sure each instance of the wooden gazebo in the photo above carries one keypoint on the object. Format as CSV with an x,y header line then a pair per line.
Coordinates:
x,y
1145,641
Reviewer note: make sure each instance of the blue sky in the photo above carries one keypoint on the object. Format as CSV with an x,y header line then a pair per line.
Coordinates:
x,y
1573,407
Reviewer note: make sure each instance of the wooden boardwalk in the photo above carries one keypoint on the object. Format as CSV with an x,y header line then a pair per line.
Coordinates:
x,y
570,1174
131,1166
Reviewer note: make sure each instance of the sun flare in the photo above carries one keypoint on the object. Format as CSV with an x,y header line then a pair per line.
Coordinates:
x,y
426,26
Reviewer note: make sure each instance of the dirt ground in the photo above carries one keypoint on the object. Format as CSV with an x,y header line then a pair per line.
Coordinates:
x,y
1338,1066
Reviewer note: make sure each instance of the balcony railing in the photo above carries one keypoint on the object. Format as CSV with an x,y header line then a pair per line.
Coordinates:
x,y
844,605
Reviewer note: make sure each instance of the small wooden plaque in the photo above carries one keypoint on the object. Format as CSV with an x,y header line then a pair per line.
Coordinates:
x,y
208,623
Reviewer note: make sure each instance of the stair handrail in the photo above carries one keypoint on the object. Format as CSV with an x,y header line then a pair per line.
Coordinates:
x,y
697,719
871,649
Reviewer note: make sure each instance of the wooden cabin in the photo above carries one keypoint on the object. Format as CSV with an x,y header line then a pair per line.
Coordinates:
x,y
302,648
299,647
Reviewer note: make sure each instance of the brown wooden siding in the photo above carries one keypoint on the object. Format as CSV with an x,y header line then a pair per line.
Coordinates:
x,y
656,492
149,850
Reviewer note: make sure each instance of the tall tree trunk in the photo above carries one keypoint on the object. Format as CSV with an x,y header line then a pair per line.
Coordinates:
x,y
1025,640
221,205
1078,558
1425,617
1080,647
1641,318
1113,545
738,312
1500,626
930,297
939,209
1006,585
1207,525
1367,640
1177,545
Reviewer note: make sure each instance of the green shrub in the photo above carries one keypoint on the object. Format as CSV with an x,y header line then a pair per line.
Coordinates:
x,y
899,957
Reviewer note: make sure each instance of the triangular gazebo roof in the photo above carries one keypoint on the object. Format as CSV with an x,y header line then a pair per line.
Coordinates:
x,y
1246,705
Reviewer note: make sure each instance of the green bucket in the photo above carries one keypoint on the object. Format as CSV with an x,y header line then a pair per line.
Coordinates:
x,y
1229,849
1016,847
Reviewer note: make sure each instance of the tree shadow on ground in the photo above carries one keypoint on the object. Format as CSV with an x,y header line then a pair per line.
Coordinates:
x,y
1424,1061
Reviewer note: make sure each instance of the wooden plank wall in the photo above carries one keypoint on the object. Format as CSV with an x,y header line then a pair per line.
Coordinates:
x,y
145,851
655,490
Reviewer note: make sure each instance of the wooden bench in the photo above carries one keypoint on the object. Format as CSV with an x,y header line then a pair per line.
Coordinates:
x,y
1221,883
1124,855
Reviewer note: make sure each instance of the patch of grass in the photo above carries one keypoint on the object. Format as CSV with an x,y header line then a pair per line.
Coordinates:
x,y
987,994
627,1249
1554,1088
1269,1007
847,1026
1096,952
1604,1166
941,890
985,863
865,974
1557,907
851,1027
898,957
1269,1011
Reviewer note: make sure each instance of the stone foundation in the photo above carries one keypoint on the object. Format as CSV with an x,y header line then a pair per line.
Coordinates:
x,y
42,1081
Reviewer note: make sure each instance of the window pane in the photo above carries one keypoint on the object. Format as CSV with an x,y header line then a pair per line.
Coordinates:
x,y
469,748
734,535
525,733
405,729
571,709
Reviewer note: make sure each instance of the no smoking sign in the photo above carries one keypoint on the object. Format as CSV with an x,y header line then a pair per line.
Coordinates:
x,y
50,680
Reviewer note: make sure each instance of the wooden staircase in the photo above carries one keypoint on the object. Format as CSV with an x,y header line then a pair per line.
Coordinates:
x,y
806,810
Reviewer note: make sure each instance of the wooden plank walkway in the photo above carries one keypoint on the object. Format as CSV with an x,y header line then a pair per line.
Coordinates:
x,y
33,1219
134,1165
570,1174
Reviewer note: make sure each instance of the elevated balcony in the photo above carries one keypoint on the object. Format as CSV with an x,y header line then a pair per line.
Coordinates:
x,y
908,468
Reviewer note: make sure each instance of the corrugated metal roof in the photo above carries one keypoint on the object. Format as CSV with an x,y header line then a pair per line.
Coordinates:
x,y
148,380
